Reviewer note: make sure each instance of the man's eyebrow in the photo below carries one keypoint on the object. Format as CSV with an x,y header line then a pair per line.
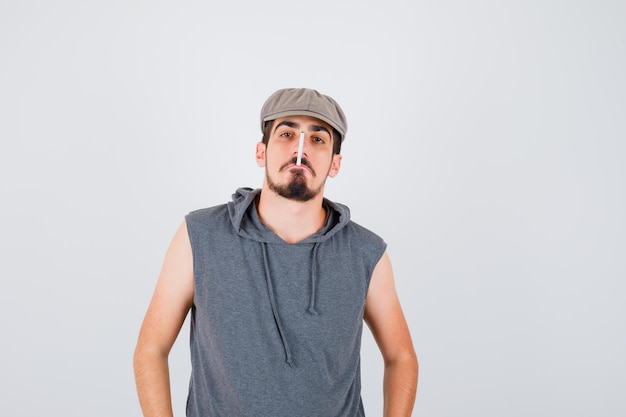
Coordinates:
x,y
293,125
317,128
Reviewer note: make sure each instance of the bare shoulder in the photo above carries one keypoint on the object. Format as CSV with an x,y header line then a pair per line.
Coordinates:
x,y
383,312
173,295
175,284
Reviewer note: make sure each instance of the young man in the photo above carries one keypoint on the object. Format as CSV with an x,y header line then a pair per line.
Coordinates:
x,y
278,282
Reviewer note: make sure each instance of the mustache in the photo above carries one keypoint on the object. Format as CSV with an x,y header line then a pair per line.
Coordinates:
x,y
303,162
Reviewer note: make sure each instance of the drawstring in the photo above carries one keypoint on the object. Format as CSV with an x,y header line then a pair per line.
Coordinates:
x,y
312,310
270,292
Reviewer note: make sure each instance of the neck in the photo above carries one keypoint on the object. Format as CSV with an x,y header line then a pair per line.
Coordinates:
x,y
292,221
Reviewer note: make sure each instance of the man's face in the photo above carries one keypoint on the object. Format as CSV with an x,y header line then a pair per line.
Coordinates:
x,y
279,156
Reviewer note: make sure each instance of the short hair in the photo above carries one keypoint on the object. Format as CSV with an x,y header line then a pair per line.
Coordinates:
x,y
336,136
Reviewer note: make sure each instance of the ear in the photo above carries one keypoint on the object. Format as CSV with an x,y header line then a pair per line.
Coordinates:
x,y
335,165
260,154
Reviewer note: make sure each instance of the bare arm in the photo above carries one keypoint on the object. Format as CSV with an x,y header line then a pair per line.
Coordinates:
x,y
384,316
171,301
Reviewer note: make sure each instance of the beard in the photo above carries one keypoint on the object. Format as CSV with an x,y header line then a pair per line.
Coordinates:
x,y
296,189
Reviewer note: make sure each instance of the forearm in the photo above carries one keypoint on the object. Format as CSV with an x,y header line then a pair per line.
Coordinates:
x,y
153,383
399,386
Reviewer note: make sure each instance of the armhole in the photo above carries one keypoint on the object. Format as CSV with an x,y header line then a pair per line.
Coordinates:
x,y
375,260
192,243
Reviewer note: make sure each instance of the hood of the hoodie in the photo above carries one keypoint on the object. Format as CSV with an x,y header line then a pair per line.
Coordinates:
x,y
246,222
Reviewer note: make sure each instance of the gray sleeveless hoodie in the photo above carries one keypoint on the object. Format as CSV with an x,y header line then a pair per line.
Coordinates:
x,y
276,327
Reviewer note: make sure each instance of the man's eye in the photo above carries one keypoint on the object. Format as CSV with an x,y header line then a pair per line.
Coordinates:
x,y
286,134
318,139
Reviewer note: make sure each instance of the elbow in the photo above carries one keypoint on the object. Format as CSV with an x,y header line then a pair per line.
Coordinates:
x,y
413,362
145,355
139,358
405,362
406,357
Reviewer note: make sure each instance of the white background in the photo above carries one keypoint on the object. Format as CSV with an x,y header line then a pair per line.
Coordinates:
x,y
486,144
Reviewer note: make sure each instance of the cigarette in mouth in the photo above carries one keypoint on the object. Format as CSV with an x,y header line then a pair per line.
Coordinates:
x,y
300,146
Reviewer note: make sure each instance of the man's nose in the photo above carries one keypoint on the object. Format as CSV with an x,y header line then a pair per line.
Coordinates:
x,y
296,145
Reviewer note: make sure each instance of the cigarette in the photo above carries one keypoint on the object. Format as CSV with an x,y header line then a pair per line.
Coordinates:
x,y
300,146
